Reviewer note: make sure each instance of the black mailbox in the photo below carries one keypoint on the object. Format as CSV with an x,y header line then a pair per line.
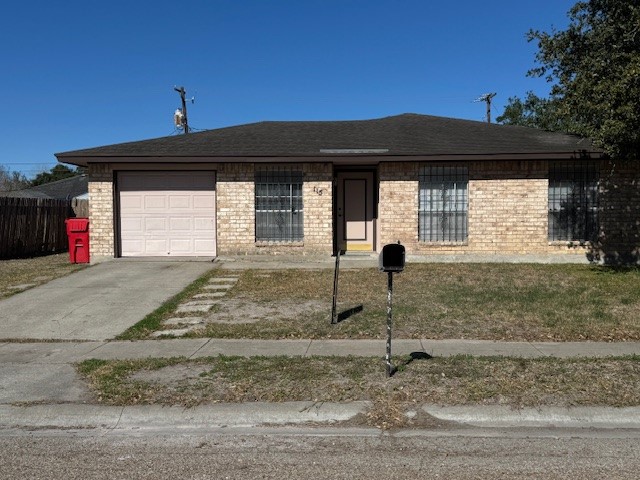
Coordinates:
x,y
391,258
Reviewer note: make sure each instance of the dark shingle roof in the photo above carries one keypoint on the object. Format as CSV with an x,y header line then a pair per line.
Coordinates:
x,y
61,189
400,135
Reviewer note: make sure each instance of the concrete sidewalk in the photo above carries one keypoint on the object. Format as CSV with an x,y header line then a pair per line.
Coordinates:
x,y
70,352
39,386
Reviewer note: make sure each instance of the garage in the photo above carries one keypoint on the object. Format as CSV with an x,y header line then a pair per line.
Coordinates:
x,y
167,213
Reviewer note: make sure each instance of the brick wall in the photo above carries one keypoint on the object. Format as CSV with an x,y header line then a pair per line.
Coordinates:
x,y
508,208
236,208
236,211
102,237
619,198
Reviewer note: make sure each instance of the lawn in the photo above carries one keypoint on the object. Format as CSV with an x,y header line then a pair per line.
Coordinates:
x,y
20,274
517,302
458,380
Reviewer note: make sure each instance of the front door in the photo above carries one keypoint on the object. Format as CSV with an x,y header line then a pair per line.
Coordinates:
x,y
355,211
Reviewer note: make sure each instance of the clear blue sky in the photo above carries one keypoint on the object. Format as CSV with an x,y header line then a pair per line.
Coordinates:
x,y
79,74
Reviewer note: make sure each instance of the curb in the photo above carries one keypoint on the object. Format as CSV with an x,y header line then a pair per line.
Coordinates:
x,y
70,416
572,417
243,415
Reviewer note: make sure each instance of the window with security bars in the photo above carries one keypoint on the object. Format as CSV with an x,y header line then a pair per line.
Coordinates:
x,y
443,203
573,201
279,210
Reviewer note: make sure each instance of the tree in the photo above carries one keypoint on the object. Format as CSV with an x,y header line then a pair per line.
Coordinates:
x,y
594,66
533,111
58,172
11,180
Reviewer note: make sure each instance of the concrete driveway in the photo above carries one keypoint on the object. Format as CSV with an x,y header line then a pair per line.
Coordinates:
x,y
97,303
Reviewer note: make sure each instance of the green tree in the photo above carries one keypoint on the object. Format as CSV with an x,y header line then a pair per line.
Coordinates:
x,y
594,66
533,111
58,172
11,180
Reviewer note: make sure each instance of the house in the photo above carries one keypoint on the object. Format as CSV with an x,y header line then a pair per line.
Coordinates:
x,y
75,189
439,185
65,189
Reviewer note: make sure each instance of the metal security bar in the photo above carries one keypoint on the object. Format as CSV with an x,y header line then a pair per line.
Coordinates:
x,y
443,203
279,209
573,201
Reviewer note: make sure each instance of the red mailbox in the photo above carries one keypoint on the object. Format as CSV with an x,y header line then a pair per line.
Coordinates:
x,y
78,233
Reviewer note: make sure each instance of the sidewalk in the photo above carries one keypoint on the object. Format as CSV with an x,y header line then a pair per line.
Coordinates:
x,y
39,387
71,352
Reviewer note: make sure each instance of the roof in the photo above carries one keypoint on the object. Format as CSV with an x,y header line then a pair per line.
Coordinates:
x,y
61,189
401,135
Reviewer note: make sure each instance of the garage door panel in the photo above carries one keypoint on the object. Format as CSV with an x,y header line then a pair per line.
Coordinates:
x,y
201,247
181,224
204,224
204,201
132,224
177,202
135,246
155,202
167,213
155,225
131,202
156,246
181,246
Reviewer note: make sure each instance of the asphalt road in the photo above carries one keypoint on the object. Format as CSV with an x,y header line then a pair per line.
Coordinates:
x,y
320,454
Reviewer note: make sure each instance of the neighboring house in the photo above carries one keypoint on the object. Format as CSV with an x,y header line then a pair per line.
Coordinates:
x,y
438,185
64,189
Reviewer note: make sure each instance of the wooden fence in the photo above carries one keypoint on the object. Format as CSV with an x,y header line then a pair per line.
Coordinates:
x,y
33,226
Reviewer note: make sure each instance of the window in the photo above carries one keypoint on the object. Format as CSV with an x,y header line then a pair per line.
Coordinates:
x,y
573,201
443,204
279,212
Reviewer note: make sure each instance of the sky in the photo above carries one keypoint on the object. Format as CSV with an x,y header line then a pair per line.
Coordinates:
x,y
78,74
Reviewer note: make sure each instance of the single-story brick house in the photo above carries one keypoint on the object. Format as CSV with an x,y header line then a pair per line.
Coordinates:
x,y
439,185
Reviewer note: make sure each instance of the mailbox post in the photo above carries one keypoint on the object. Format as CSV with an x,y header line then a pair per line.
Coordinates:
x,y
391,261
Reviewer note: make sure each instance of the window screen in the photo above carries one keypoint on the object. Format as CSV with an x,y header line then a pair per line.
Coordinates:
x,y
443,203
573,201
279,209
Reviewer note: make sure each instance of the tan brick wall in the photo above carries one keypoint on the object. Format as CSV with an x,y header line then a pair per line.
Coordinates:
x,y
317,194
236,211
398,204
508,208
101,196
619,198
236,208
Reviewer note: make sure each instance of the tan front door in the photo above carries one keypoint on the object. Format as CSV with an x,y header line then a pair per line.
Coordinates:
x,y
355,213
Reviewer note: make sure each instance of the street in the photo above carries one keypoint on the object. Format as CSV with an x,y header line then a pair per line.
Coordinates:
x,y
330,453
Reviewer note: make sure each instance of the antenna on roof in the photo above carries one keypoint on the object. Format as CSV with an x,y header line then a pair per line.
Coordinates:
x,y
180,115
486,98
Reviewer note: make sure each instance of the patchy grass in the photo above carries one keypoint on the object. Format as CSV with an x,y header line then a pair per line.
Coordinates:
x,y
33,271
461,380
521,302
153,321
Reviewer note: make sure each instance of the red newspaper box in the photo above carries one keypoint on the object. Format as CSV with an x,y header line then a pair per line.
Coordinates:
x,y
78,233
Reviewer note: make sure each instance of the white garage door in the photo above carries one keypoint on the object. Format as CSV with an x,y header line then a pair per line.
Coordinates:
x,y
167,213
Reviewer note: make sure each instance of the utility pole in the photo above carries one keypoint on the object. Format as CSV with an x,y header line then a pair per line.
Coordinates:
x,y
487,98
184,121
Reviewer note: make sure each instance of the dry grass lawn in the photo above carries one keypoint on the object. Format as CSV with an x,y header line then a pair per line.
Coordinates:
x,y
479,301
33,271
444,381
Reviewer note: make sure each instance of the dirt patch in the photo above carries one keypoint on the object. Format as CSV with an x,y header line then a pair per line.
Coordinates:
x,y
242,310
181,373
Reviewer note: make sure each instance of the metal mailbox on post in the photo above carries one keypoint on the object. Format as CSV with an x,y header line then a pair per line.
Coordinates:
x,y
392,258
78,233
391,261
